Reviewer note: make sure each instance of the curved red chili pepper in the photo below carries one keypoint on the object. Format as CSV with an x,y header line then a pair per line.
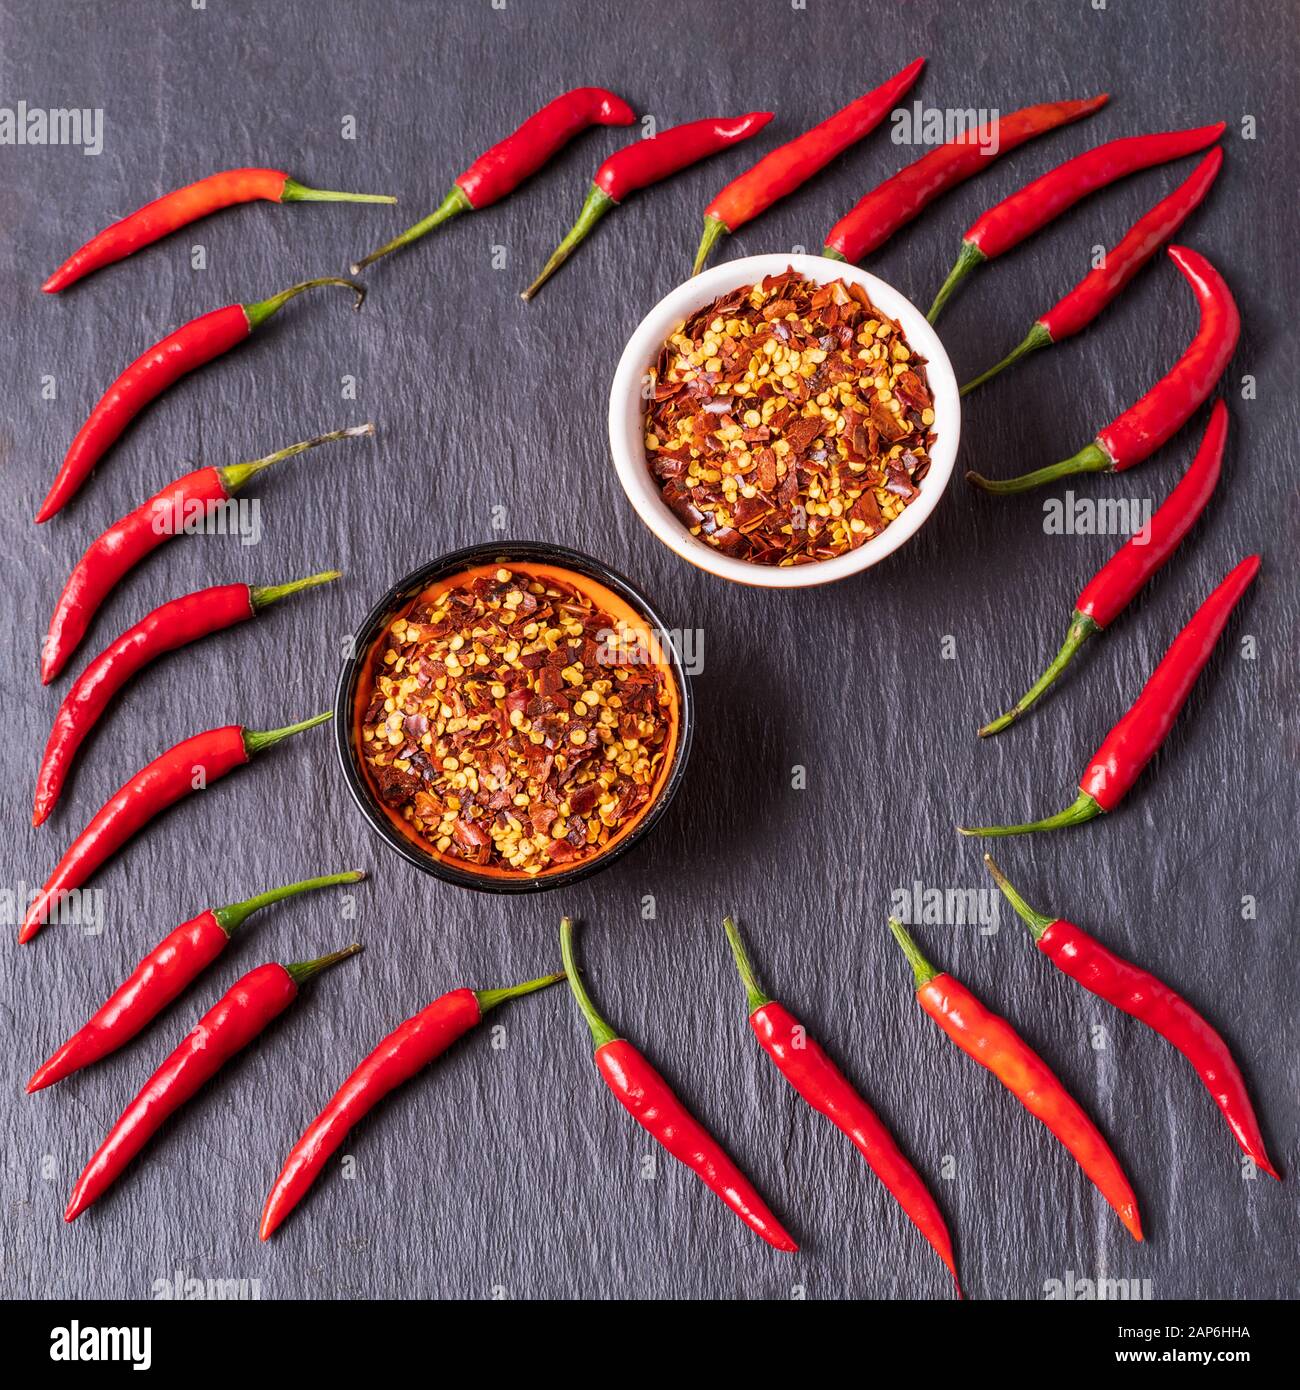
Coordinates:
x,y
171,625
173,964
995,1044
1150,422
243,1012
779,173
185,205
408,1049
805,1065
644,162
178,354
651,1102
1076,310
1032,207
168,513
895,202
192,765
1134,741
1112,588
1136,991
501,170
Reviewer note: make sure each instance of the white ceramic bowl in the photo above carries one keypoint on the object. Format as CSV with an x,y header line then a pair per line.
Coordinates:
x,y
627,411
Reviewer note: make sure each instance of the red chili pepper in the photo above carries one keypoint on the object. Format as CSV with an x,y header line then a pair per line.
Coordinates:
x,y
1032,207
1170,403
1101,285
648,1098
895,202
1133,742
169,626
190,346
1136,991
244,1011
173,511
185,205
779,173
806,1066
408,1049
644,162
190,766
508,163
995,1044
1111,589
173,964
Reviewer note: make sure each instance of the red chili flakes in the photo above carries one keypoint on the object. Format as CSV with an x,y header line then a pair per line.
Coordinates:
x,y
512,724
790,421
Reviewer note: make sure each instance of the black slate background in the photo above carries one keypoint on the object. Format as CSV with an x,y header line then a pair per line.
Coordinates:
x,y
508,1171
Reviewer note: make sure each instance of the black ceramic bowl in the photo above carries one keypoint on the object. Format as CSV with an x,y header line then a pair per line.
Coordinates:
x,y
388,608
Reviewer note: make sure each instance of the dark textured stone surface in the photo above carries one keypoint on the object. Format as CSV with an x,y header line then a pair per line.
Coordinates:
x,y
511,1169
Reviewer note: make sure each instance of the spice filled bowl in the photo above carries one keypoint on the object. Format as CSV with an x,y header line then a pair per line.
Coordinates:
x,y
784,420
514,717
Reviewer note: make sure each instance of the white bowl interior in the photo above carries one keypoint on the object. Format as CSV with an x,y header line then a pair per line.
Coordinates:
x,y
627,410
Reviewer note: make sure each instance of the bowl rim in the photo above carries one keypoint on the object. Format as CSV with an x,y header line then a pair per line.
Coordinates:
x,y
445,565
641,351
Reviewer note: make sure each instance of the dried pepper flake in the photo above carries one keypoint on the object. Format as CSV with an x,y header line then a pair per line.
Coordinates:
x,y
789,421
512,725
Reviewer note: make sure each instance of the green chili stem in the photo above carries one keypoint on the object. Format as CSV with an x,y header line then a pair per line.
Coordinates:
x,y
237,475
1037,922
831,254
970,257
601,1032
300,971
1084,809
490,998
456,202
1092,458
236,914
295,192
258,312
714,227
921,967
1037,337
263,596
258,741
598,203
1080,630
756,996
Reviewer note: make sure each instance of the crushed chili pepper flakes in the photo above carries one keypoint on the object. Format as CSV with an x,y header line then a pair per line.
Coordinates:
x,y
790,421
513,724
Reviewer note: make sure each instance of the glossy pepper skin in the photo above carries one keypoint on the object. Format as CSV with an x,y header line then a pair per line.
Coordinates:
x,y
1032,207
651,1102
169,969
779,173
1138,992
193,764
1137,737
1104,283
500,170
228,1027
171,625
644,162
114,554
408,1049
154,371
1113,587
1150,422
895,202
806,1066
185,205
647,161
996,1045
